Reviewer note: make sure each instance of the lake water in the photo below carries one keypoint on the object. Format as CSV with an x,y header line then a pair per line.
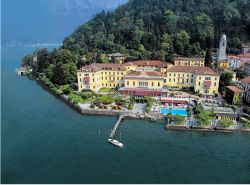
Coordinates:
x,y
45,141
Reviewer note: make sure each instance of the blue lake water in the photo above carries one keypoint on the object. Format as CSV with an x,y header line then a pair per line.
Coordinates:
x,y
180,112
45,141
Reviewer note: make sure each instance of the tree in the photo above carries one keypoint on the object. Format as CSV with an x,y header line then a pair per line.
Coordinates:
x,y
65,56
230,12
225,80
181,42
171,21
166,43
42,59
204,27
27,60
208,58
64,73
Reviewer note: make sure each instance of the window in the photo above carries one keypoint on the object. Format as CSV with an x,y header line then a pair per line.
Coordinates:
x,y
121,78
170,74
110,73
192,80
199,83
86,74
113,78
102,78
199,78
105,78
143,84
80,79
80,74
165,80
113,73
159,84
183,75
174,79
215,78
127,82
105,73
122,73
93,75
109,78
93,80
183,81
174,74
192,75
187,80
169,79
214,83
118,78
179,75
93,87
187,75
152,84
133,83
207,78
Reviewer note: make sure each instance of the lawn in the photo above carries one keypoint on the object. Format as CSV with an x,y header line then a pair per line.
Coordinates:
x,y
106,90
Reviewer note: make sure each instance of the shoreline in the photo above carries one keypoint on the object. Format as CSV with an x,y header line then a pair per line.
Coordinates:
x,y
130,115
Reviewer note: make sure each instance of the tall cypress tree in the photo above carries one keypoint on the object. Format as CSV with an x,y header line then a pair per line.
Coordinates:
x,y
208,58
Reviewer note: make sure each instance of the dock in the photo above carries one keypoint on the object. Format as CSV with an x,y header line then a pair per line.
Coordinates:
x,y
117,123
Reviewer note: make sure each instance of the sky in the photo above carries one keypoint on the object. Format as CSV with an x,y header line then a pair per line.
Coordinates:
x,y
47,21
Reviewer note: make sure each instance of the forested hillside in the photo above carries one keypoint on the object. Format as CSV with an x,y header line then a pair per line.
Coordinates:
x,y
160,28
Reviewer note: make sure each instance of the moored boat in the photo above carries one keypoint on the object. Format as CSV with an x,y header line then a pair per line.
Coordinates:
x,y
115,142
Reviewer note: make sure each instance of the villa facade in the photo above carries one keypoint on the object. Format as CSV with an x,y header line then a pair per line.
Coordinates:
x,y
185,61
153,77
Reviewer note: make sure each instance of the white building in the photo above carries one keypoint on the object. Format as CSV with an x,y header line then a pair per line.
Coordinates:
x,y
246,88
244,58
234,62
247,68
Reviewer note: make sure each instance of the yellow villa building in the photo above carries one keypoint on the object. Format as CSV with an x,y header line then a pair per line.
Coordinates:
x,y
185,61
147,78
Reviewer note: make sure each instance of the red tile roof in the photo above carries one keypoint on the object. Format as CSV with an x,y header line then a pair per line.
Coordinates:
x,y
245,55
152,63
235,89
199,70
233,57
246,80
97,67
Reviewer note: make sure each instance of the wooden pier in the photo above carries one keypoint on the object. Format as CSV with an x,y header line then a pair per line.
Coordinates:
x,y
117,123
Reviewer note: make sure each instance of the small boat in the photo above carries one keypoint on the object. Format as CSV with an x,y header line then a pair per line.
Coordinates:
x,y
115,142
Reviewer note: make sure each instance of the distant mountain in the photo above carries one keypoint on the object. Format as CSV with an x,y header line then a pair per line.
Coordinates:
x,y
160,28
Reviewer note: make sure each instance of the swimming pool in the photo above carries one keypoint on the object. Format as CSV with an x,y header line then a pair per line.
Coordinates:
x,y
180,112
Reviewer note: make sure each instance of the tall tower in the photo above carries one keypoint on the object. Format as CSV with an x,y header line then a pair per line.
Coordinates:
x,y
222,48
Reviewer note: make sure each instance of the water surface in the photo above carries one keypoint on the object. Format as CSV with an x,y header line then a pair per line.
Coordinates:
x,y
45,141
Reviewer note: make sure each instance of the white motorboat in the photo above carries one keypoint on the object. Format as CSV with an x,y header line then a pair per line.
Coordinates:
x,y
115,142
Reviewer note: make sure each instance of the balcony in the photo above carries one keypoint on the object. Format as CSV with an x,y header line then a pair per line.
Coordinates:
x,y
86,79
207,84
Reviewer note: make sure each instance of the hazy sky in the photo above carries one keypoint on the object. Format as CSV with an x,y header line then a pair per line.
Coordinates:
x,y
47,21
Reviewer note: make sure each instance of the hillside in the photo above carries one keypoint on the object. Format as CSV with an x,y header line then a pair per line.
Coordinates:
x,y
160,28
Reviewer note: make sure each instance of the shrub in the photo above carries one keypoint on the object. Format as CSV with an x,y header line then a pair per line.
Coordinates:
x,y
75,98
225,122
